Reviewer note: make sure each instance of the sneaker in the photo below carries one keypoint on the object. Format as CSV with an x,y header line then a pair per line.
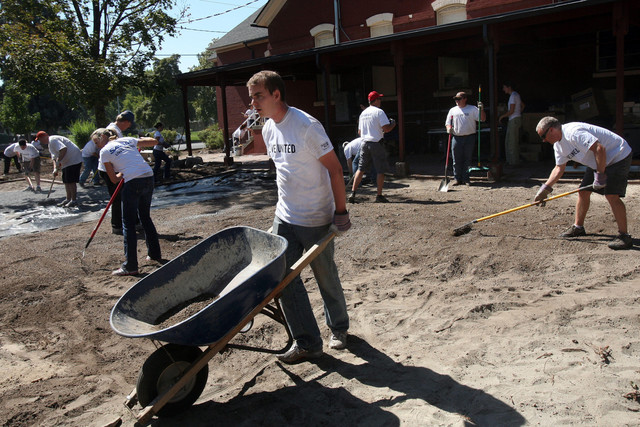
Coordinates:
x,y
381,199
352,197
71,204
574,231
454,183
338,340
38,189
117,231
149,258
467,183
622,241
63,203
296,354
29,188
122,272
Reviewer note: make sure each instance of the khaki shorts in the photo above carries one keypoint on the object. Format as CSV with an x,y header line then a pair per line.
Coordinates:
x,y
617,177
27,166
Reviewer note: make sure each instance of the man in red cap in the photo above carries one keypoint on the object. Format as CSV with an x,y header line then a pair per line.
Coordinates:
x,y
372,126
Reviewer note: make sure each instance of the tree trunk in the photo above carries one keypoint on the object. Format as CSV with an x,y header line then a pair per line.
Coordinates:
x,y
100,115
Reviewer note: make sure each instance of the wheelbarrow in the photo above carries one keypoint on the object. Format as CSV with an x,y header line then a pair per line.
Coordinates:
x,y
236,274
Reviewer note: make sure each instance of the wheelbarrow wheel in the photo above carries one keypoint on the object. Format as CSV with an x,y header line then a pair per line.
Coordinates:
x,y
162,370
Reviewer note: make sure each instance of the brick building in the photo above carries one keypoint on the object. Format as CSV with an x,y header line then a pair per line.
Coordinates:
x,y
575,59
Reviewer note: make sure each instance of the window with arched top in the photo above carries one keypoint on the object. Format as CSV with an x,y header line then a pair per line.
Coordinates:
x,y
323,35
381,24
448,11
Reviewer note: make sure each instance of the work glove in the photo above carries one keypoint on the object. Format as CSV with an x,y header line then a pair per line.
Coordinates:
x,y
392,122
542,193
599,180
341,223
480,105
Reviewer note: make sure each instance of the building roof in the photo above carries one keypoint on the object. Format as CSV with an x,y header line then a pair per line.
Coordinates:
x,y
242,33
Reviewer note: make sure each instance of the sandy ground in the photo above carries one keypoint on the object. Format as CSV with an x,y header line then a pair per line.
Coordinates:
x,y
506,325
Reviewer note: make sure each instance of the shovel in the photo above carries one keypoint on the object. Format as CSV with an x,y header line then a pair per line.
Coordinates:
x,y
444,184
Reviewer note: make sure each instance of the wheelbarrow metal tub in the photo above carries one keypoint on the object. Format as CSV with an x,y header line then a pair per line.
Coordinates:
x,y
241,265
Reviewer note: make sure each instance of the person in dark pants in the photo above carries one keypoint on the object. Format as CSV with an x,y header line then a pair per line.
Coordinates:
x,y
8,153
159,155
122,161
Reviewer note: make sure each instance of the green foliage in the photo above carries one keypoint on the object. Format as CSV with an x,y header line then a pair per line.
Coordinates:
x,y
14,111
212,137
81,131
169,135
204,101
82,52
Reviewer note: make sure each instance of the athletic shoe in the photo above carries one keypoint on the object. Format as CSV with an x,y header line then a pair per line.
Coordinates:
x,y
622,241
71,204
148,258
338,340
352,197
122,272
381,199
29,188
574,231
455,183
117,231
38,189
296,354
63,203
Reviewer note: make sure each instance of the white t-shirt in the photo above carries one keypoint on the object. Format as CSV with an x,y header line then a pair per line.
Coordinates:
x,y
353,148
305,197
73,156
463,119
89,149
29,152
514,98
578,137
158,136
123,154
114,127
9,151
370,123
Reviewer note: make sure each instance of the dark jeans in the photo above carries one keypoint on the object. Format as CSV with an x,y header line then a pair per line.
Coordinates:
x,y
462,150
136,203
116,205
158,157
7,163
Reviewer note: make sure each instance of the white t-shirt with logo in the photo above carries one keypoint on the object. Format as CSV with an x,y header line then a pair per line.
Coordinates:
x,y
28,152
578,137
123,154
463,119
73,156
305,197
370,123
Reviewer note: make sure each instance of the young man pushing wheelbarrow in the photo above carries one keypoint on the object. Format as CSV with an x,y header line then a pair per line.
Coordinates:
x,y
311,199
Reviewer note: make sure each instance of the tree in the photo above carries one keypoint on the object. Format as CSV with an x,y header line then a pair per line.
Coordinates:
x,y
14,111
81,51
204,99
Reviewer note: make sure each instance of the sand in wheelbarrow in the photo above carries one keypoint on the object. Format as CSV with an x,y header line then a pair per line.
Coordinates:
x,y
185,310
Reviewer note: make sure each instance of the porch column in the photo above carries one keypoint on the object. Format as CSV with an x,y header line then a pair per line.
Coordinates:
x,y
187,127
228,160
398,62
620,29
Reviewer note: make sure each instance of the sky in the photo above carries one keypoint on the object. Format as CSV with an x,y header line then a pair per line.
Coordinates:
x,y
208,19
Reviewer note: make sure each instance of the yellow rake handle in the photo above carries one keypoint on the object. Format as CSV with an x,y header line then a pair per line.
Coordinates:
x,y
533,204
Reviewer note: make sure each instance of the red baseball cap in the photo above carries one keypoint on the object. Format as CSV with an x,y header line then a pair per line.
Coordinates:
x,y
373,95
39,134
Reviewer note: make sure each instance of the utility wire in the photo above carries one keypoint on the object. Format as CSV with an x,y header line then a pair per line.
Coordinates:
x,y
222,13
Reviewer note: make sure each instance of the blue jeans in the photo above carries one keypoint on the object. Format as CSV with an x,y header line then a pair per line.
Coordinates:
x,y
158,157
294,299
136,202
90,164
462,151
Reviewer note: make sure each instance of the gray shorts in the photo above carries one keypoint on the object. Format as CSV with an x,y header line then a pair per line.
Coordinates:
x,y
373,152
27,166
617,177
